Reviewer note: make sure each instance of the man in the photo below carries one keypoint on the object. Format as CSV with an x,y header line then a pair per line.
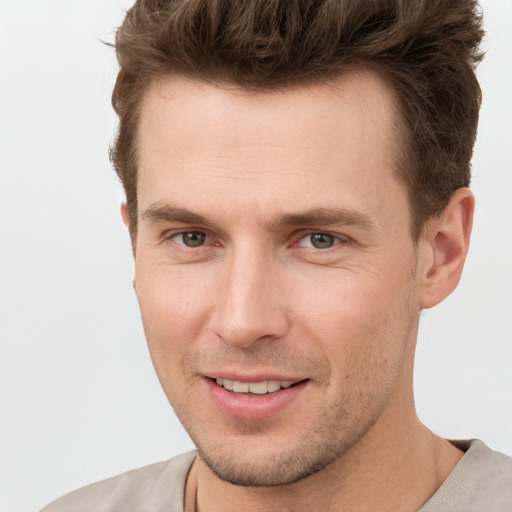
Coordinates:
x,y
296,177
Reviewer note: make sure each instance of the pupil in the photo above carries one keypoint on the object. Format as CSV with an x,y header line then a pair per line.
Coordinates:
x,y
322,241
193,239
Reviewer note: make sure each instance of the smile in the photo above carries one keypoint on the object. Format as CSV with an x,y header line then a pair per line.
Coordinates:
x,y
254,400
255,388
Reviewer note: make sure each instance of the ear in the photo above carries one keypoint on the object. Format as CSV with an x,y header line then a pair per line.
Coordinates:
x,y
447,240
126,220
124,215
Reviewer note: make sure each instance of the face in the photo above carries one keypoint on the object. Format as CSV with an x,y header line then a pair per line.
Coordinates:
x,y
275,271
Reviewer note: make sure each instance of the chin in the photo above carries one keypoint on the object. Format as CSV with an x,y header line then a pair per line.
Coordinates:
x,y
280,469
247,464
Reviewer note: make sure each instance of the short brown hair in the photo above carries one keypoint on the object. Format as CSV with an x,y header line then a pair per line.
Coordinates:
x,y
426,49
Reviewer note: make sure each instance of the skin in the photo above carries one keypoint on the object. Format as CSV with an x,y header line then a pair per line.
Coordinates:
x,y
256,297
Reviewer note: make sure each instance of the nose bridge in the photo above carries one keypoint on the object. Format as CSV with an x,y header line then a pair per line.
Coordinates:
x,y
249,307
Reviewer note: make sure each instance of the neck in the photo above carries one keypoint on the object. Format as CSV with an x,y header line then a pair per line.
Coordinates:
x,y
397,475
396,467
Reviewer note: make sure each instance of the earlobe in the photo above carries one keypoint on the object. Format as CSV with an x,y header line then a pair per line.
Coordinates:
x,y
448,240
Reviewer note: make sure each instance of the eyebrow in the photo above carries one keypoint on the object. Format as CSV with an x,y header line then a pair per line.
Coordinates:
x,y
324,217
167,213
318,216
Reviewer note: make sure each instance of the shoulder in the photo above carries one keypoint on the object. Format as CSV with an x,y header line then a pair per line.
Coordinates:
x,y
493,471
152,488
481,481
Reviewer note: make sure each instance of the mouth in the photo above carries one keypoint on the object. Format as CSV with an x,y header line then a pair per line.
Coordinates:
x,y
256,399
255,388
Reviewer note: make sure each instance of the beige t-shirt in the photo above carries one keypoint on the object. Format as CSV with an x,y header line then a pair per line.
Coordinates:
x,y
481,482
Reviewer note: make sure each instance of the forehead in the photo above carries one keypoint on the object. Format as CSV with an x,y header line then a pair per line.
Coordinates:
x,y
186,107
319,145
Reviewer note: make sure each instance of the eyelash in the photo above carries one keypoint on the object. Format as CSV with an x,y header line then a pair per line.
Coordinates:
x,y
337,239
172,237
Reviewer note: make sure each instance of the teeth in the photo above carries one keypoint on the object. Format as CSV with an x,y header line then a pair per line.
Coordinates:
x,y
256,388
273,385
240,387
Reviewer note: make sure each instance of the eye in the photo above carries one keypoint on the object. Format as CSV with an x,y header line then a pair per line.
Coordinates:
x,y
319,240
190,238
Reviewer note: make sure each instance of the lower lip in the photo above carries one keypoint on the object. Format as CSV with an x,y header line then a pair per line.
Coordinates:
x,y
253,407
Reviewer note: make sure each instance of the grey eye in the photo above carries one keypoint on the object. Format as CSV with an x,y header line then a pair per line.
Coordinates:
x,y
322,240
192,238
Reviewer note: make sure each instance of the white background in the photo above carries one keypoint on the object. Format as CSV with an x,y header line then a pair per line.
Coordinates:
x,y
79,399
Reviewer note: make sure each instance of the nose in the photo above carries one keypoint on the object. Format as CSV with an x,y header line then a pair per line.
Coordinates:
x,y
251,303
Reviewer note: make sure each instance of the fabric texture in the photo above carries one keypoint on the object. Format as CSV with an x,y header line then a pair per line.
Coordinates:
x,y
159,487
481,482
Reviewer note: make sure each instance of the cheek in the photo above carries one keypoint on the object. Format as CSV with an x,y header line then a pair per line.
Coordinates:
x,y
362,325
169,295
174,308
340,305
